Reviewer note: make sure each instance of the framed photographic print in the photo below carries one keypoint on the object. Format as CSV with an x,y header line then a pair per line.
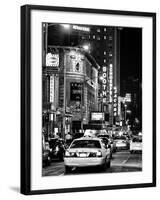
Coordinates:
x,y
88,99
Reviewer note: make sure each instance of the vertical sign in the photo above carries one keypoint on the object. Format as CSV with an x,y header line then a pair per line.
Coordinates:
x,y
119,106
52,89
110,83
115,101
104,84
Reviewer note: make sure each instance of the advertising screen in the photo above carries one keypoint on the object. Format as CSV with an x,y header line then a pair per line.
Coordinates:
x,y
97,116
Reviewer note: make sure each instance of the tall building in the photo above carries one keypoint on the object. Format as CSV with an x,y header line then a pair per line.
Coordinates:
x,y
104,43
133,86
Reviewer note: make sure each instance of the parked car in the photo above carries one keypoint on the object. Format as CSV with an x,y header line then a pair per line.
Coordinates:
x,y
46,159
57,148
87,151
121,142
136,144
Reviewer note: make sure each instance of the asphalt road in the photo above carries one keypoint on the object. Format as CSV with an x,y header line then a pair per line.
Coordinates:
x,y
122,161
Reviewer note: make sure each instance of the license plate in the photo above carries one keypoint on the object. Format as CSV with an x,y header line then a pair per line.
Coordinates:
x,y
82,155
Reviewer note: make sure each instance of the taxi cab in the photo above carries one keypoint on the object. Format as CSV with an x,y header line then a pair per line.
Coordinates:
x,y
87,151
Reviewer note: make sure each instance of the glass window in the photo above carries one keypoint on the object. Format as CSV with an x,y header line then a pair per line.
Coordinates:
x,y
98,38
86,144
137,140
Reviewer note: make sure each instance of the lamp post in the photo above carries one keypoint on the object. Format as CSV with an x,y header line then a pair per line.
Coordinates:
x,y
125,113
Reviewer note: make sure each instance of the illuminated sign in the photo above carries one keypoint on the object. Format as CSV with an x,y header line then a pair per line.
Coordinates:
x,y
52,60
128,97
110,83
119,106
115,101
52,88
81,28
97,116
104,84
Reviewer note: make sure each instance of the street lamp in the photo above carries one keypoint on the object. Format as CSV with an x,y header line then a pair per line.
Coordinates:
x,y
125,113
86,47
66,26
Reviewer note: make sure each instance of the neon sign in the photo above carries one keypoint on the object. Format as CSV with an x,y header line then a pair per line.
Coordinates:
x,y
115,101
52,89
52,60
110,83
81,28
104,84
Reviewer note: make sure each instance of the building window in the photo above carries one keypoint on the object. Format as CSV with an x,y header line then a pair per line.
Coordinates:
x,y
104,52
110,54
98,30
105,29
105,37
98,38
104,60
110,37
94,36
77,67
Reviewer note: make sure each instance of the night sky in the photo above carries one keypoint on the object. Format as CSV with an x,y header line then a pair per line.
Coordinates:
x,y
131,53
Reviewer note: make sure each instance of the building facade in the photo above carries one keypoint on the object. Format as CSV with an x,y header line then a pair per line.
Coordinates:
x,y
70,90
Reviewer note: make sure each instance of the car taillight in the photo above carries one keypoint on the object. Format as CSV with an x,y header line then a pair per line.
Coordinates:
x,y
99,154
67,154
57,148
70,154
93,154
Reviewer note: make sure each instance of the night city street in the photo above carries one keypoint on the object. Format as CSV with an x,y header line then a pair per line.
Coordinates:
x,y
91,99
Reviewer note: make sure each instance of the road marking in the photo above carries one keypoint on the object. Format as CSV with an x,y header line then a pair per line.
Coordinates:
x,y
125,160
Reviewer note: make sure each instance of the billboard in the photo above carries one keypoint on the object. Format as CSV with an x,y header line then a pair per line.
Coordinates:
x,y
97,116
52,60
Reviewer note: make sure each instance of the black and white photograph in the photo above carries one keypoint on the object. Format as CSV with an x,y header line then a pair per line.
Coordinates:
x,y
91,99
88,99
